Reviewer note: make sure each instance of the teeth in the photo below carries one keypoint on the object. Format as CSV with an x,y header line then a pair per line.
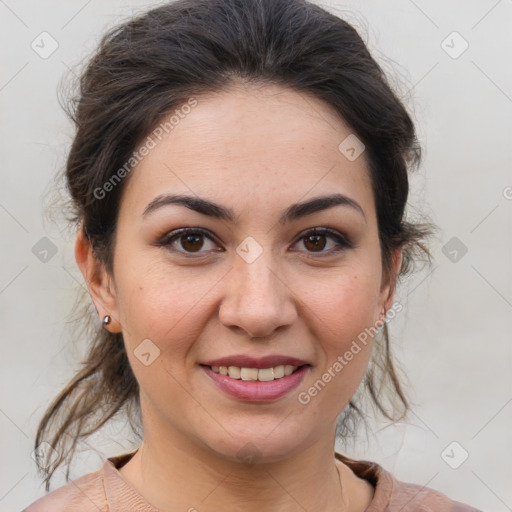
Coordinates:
x,y
262,374
288,369
234,372
266,374
279,372
249,373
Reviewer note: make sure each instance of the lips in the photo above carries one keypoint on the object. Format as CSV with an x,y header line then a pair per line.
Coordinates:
x,y
245,361
256,379
257,390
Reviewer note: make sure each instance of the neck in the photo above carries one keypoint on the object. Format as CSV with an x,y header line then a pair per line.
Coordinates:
x,y
173,473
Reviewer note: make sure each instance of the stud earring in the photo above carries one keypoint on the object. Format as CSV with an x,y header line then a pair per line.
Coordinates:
x,y
106,320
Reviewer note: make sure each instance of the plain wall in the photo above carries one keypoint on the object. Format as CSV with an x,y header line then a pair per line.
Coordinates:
x,y
453,337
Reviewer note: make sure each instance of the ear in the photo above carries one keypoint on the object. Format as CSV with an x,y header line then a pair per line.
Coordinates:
x,y
389,279
99,282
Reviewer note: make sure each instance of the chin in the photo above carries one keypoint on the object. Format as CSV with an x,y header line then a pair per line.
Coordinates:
x,y
257,445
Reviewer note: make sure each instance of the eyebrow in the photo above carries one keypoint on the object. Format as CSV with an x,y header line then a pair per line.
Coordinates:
x,y
293,212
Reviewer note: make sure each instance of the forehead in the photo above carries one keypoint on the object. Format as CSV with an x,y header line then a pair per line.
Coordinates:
x,y
251,144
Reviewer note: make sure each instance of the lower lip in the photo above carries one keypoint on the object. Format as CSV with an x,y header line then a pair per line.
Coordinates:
x,y
255,390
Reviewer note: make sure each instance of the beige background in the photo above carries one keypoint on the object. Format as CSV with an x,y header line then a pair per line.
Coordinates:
x,y
453,337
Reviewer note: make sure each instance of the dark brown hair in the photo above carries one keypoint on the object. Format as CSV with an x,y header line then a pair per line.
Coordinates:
x,y
146,68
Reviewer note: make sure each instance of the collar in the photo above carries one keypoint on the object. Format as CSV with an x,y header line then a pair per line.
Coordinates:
x,y
122,496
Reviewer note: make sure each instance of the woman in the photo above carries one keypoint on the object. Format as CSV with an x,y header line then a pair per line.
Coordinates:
x,y
239,177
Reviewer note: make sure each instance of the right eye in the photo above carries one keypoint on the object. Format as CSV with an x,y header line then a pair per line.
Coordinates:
x,y
187,241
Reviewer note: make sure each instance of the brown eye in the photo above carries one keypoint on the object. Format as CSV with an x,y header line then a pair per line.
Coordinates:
x,y
316,240
188,241
191,242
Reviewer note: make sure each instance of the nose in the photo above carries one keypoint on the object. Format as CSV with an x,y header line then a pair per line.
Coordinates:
x,y
257,299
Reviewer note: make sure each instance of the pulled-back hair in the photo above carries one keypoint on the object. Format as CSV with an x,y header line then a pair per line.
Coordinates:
x,y
146,68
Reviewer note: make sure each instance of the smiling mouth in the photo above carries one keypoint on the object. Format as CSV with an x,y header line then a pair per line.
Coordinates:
x,y
256,374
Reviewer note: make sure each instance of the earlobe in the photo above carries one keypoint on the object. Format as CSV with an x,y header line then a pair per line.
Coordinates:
x,y
388,290
98,283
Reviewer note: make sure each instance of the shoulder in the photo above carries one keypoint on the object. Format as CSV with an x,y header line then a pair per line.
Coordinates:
x,y
83,494
392,495
409,497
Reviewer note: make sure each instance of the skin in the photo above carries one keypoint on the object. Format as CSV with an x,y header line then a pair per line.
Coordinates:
x,y
256,150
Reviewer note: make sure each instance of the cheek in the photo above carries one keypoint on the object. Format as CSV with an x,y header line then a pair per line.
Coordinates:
x,y
168,310
343,306
344,348
342,314
167,307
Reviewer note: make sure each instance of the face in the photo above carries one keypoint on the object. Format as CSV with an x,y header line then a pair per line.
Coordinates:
x,y
255,276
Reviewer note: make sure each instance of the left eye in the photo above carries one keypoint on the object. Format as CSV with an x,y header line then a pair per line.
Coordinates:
x,y
315,239
191,240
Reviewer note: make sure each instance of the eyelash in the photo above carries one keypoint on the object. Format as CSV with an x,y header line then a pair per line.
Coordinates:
x,y
343,242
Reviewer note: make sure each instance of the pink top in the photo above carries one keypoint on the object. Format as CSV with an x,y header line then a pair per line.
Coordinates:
x,y
106,490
